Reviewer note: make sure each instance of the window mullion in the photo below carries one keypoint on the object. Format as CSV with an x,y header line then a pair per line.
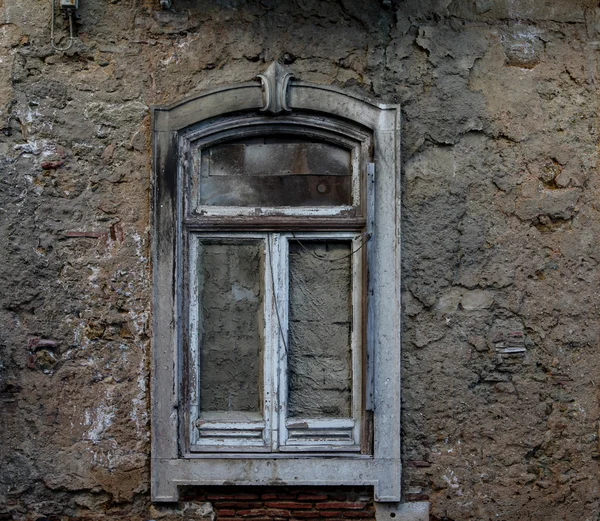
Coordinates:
x,y
270,382
278,249
272,338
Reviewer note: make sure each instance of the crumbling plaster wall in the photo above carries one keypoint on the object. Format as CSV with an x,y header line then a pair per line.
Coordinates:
x,y
500,237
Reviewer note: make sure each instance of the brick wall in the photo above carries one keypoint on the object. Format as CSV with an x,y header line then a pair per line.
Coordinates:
x,y
287,503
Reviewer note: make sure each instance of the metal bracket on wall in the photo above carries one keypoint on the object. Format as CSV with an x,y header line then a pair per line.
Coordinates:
x,y
69,12
413,511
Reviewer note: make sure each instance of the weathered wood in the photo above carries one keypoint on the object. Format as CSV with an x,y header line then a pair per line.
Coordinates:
x,y
227,287
273,223
371,288
346,309
255,163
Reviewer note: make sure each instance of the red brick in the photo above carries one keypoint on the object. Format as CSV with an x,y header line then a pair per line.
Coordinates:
x,y
338,496
193,497
269,496
344,505
330,513
238,504
314,490
224,504
286,495
312,497
288,504
306,513
253,512
246,496
212,497
277,512
238,519
357,514
225,513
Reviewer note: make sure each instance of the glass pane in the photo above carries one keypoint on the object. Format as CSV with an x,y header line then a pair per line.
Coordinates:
x,y
320,324
230,325
276,174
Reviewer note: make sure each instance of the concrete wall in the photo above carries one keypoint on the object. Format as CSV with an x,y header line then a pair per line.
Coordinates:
x,y
501,239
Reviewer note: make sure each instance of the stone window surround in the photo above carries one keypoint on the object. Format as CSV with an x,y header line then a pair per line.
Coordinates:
x,y
382,469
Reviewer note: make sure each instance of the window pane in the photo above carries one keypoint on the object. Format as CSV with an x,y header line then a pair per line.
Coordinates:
x,y
320,322
281,174
230,325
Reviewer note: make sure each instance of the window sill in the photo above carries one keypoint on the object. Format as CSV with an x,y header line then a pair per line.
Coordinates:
x,y
382,474
277,455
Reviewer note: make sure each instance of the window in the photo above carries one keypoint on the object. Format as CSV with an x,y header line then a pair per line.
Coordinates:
x,y
275,342
275,328
276,317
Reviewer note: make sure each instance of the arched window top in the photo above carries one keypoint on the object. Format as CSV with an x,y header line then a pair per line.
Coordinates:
x,y
276,93
274,147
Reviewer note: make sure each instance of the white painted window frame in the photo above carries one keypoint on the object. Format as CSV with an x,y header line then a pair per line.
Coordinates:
x,y
255,434
269,431
350,426
173,464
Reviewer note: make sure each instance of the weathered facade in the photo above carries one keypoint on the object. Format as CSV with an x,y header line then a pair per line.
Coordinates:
x,y
500,235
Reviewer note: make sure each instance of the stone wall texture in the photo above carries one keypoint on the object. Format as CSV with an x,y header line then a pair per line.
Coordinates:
x,y
501,240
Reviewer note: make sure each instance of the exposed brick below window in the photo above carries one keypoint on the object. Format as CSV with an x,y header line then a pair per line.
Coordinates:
x,y
287,503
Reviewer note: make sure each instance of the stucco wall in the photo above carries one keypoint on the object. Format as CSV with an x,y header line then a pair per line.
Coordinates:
x,y
500,237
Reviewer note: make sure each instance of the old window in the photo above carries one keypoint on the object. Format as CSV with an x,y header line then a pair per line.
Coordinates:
x,y
275,328
275,342
276,249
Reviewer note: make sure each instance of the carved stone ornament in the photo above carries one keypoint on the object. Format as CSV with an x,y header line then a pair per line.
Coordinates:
x,y
275,81
358,133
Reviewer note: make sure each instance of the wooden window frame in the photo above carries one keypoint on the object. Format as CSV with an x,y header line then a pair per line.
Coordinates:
x,y
275,423
235,112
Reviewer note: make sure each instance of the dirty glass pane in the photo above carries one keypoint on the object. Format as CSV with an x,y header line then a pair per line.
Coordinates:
x,y
275,174
230,325
320,322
